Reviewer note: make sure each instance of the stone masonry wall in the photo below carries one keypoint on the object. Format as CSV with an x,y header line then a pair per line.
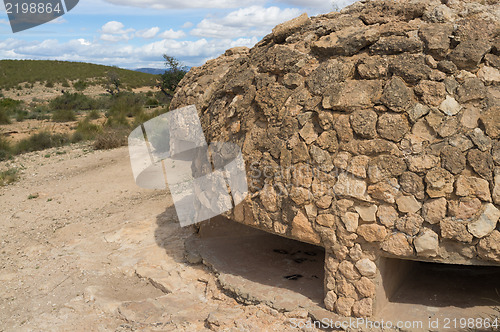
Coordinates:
x,y
372,132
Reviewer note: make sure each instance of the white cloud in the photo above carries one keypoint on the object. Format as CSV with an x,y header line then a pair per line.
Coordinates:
x,y
148,33
114,31
245,22
171,34
191,53
114,38
84,42
187,25
339,4
180,4
113,27
314,7
2,21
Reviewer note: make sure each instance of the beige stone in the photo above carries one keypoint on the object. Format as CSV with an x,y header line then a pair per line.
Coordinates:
x,y
455,230
365,287
324,202
427,243
408,204
330,299
281,31
496,190
269,198
470,117
327,220
367,213
450,106
350,220
358,166
363,308
489,75
308,133
486,222
472,186
344,306
386,190
439,182
423,131
422,163
347,289
465,208
366,267
397,244
387,215
300,196
410,223
311,210
302,229
348,271
434,210
372,232
489,247
490,121
349,186
356,252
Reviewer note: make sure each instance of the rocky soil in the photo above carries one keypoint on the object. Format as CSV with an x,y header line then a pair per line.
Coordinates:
x,y
82,248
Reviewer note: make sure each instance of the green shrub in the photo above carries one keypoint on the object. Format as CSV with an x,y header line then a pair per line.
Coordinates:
x,y
128,104
9,103
93,115
41,112
4,116
85,131
41,141
63,116
110,139
72,101
80,85
49,84
117,121
5,148
21,115
152,102
65,84
7,177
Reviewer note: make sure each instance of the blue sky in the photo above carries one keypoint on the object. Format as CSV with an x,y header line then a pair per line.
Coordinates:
x,y
136,33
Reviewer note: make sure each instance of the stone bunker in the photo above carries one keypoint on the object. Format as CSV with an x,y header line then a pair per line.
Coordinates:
x,y
373,132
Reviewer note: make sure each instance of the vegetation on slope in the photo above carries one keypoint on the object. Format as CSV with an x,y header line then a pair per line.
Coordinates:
x,y
15,72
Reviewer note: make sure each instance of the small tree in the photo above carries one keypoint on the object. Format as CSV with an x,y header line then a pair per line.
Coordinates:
x,y
170,79
113,83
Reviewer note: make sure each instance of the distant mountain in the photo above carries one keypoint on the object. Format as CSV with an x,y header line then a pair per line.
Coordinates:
x,y
154,71
157,71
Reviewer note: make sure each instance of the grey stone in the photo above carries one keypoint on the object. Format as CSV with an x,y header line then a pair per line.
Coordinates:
x,y
486,223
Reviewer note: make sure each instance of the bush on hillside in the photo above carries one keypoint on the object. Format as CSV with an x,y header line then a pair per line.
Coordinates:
x,y
72,101
41,141
110,139
63,115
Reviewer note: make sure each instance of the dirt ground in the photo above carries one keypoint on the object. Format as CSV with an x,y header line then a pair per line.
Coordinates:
x,y
82,248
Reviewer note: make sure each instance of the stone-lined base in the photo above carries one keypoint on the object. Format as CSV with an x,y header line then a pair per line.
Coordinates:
x,y
251,265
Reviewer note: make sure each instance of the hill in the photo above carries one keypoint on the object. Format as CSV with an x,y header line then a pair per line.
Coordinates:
x,y
14,72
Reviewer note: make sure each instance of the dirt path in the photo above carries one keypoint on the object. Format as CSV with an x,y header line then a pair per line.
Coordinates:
x,y
82,248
